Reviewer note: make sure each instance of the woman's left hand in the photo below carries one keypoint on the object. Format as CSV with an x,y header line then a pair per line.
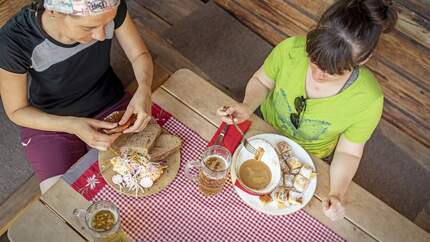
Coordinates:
x,y
333,208
140,104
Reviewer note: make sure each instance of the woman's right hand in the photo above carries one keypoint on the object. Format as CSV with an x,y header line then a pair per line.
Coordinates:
x,y
87,130
239,111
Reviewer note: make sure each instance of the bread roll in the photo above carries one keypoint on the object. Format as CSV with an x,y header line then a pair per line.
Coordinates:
x,y
115,117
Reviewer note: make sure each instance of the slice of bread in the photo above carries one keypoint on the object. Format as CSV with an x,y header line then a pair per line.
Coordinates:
x,y
141,142
165,145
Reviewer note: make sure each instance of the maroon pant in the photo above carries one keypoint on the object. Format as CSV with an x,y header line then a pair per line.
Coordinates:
x,y
53,153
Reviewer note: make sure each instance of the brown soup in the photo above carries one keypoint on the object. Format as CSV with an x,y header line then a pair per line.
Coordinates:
x,y
255,174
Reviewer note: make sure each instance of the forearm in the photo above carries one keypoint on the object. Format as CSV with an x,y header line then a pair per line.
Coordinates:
x,y
136,51
31,117
342,170
143,69
255,93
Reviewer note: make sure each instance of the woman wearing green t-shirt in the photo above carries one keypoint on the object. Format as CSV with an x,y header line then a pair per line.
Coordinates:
x,y
316,91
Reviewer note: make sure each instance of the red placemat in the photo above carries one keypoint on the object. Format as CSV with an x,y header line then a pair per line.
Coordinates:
x,y
180,212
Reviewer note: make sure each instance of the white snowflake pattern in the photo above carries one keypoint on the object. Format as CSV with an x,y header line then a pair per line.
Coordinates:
x,y
92,181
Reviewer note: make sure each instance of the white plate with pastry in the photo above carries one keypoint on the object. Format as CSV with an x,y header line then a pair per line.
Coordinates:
x,y
298,170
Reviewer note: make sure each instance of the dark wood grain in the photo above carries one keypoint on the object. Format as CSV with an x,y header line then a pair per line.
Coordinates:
x,y
171,11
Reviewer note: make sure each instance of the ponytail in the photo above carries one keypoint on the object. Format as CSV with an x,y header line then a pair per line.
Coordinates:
x,y
379,12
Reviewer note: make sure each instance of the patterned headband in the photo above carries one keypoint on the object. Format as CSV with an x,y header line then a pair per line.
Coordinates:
x,y
80,7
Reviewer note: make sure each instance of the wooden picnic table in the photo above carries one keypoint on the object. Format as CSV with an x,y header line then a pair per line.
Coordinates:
x,y
193,101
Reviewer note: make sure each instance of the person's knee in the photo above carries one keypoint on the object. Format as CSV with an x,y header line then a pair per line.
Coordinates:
x,y
48,183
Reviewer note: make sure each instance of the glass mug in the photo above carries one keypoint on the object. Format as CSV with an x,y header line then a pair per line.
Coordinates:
x,y
102,221
213,170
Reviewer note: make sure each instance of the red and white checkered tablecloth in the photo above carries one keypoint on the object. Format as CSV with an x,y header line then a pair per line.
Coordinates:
x,y
181,213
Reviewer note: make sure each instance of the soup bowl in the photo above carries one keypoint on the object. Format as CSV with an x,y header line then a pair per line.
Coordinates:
x,y
270,158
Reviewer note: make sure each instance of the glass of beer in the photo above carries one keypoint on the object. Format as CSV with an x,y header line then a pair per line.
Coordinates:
x,y
213,169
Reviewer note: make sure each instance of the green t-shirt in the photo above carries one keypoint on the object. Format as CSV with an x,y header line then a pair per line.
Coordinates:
x,y
355,112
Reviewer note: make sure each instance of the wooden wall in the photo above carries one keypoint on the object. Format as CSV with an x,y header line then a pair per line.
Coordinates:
x,y
401,62
8,8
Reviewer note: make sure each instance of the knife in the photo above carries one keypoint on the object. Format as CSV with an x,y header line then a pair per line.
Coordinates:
x,y
221,135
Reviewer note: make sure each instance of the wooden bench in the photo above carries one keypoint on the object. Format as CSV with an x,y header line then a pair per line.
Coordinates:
x,y
16,203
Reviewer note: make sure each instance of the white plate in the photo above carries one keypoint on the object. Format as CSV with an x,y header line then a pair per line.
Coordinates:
x,y
254,201
270,158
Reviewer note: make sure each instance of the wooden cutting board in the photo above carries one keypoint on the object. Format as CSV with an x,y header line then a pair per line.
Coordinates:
x,y
173,163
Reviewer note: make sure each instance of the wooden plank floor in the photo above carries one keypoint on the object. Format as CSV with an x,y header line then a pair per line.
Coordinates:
x,y
154,19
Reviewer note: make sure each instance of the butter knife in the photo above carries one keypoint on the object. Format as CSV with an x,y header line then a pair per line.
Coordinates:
x,y
221,135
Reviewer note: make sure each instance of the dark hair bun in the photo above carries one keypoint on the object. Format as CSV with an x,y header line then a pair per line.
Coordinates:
x,y
348,32
380,12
